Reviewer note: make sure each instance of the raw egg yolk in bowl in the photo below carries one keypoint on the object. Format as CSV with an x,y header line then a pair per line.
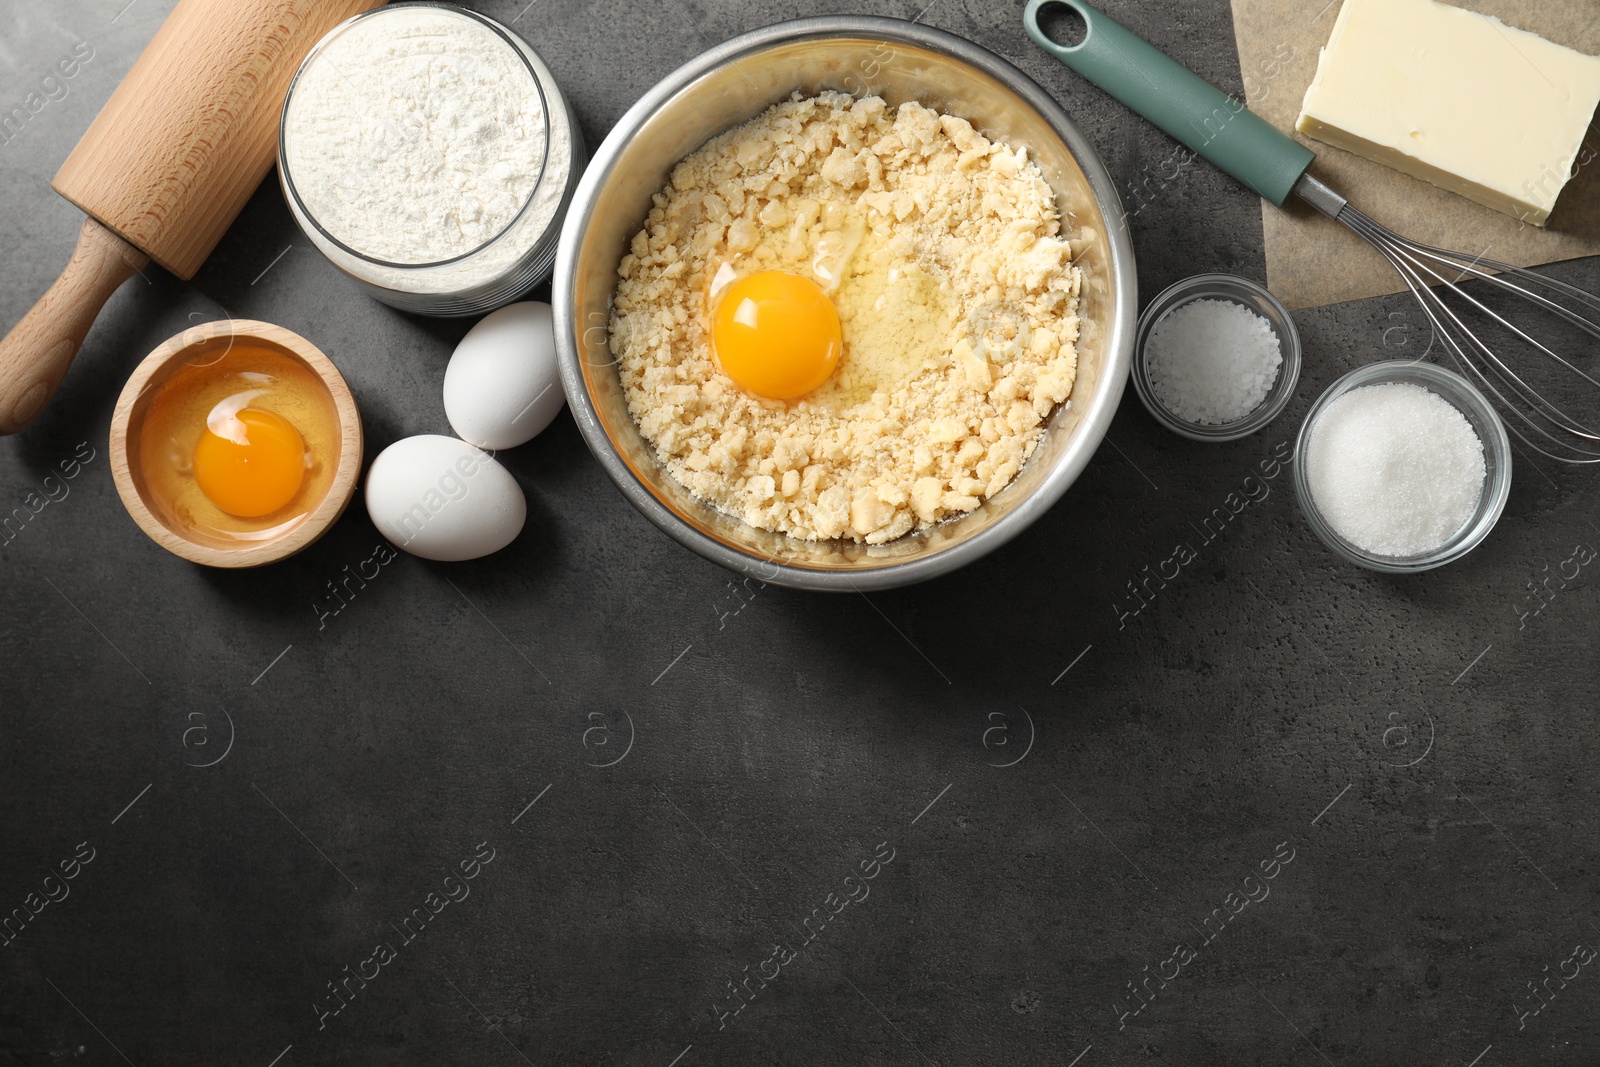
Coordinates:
x,y
776,334
240,443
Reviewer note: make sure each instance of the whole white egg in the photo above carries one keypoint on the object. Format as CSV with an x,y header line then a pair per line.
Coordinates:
x,y
503,385
440,498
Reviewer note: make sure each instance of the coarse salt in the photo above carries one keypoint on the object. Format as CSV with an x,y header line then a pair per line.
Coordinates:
x,y
1396,470
1212,361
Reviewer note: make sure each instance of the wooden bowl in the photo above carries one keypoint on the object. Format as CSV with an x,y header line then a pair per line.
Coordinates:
x,y
196,544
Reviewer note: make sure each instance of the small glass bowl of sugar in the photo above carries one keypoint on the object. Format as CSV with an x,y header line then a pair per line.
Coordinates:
x,y
1216,357
1402,466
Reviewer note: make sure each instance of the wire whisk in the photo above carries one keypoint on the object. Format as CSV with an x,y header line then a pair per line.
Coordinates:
x,y
1227,133
1432,274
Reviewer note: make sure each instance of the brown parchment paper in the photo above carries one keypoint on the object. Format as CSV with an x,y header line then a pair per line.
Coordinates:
x,y
1312,260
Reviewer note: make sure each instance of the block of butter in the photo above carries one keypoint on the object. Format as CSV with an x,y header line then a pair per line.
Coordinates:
x,y
1456,98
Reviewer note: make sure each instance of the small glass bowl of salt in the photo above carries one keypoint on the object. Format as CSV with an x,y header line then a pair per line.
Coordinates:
x,y
1216,357
1402,466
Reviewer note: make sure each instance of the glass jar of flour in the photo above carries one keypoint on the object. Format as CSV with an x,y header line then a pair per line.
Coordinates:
x,y
427,151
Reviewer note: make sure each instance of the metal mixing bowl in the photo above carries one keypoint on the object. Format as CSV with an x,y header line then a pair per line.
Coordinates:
x,y
731,84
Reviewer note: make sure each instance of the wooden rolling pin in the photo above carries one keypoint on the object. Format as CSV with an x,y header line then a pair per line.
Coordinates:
x,y
165,168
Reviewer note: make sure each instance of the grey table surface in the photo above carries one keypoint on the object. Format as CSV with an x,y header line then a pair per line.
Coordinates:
x,y
1289,812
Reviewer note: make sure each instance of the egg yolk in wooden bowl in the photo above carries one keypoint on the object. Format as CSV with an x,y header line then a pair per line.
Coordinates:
x,y
240,443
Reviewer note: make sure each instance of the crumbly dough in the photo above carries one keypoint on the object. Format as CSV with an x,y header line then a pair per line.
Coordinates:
x,y
958,307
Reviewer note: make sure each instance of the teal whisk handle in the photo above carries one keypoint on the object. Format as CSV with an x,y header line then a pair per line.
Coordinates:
x,y
1214,125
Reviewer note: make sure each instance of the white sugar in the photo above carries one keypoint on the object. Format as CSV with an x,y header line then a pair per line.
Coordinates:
x,y
1395,469
1212,361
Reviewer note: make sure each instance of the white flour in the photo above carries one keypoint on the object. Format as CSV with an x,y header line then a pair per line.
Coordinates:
x,y
417,135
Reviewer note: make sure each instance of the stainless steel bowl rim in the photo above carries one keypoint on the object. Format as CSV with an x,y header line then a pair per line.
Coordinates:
x,y
1095,420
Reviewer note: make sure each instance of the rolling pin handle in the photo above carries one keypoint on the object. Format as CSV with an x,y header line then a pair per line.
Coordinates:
x,y
35,355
